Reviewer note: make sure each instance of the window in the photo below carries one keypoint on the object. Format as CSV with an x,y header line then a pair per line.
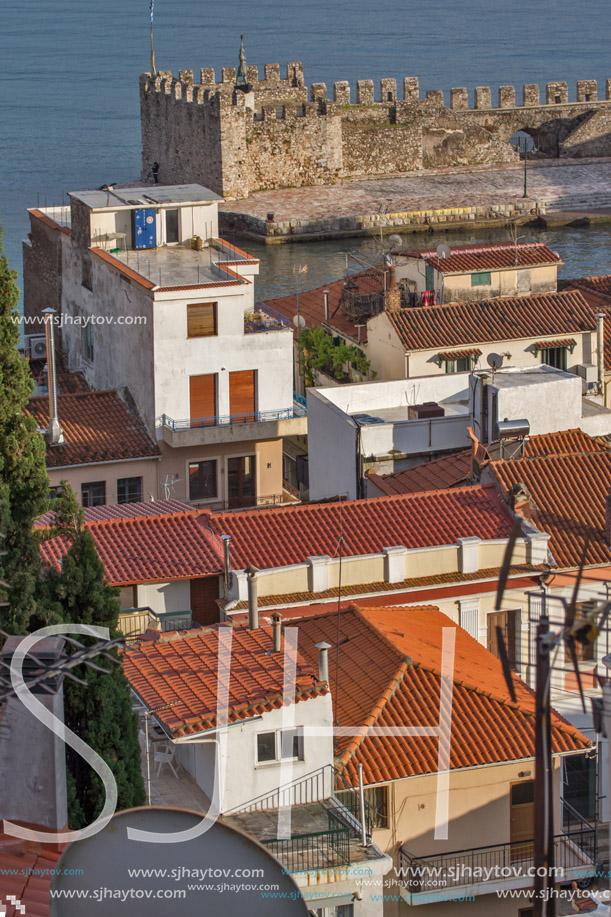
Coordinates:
x,y
376,799
584,651
203,480
266,746
461,365
429,277
171,226
481,279
509,622
282,744
93,494
201,320
129,490
555,356
86,273
88,343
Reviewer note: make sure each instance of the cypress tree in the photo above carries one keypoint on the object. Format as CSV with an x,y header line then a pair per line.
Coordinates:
x,y
99,713
23,476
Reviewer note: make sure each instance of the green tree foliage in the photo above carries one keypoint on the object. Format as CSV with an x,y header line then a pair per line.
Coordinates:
x,y
23,477
319,352
100,712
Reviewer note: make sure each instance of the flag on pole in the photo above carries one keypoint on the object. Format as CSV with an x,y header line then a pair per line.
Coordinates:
x,y
151,5
301,269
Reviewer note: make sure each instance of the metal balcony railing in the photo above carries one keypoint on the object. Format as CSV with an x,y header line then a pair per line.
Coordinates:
x,y
136,621
314,851
573,849
228,419
264,318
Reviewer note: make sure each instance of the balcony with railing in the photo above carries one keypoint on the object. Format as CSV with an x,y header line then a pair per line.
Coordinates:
x,y
136,621
325,833
264,318
198,431
485,870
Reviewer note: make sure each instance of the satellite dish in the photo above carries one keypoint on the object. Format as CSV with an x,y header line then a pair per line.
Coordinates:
x,y
395,241
443,250
299,321
99,861
494,360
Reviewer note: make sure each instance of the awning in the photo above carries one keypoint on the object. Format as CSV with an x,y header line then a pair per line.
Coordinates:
x,y
458,354
571,343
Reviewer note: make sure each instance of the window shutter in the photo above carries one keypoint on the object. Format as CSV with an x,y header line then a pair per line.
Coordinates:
x,y
536,605
201,320
469,617
242,395
202,398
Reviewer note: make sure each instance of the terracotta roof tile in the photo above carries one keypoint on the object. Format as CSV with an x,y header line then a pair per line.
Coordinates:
x,y
453,470
505,319
149,548
486,256
597,293
183,673
288,535
389,676
556,342
311,303
97,426
37,860
569,493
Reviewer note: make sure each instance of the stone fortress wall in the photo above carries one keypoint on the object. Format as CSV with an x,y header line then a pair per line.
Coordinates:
x,y
277,133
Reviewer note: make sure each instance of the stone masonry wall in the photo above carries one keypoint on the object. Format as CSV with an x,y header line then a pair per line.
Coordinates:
x,y
236,140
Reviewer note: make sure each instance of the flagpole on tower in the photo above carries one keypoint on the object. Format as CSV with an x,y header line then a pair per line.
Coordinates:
x,y
151,5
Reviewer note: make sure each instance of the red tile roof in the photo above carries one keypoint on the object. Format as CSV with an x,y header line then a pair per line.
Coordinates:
x,y
486,256
122,511
311,303
506,319
389,676
26,873
97,426
601,283
288,535
457,354
183,673
560,342
67,382
455,469
568,493
597,293
149,548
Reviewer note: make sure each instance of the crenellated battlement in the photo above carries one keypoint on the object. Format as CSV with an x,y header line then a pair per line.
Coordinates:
x,y
273,130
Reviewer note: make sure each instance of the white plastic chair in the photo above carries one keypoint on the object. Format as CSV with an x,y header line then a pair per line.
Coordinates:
x,y
165,756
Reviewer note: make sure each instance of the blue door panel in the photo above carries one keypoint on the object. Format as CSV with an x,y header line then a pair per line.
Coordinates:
x,y
144,228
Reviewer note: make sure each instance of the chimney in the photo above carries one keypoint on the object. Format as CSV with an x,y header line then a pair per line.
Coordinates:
x,y
226,539
392,296
53,433
277,626
325,293
608,520
323,661
600,350
253,605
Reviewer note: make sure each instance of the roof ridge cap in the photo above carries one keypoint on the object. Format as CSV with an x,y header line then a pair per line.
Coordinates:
x,y
148,516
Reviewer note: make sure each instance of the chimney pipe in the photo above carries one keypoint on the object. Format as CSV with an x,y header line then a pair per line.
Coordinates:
x,y
226,539
253,605
325,293
600,347
277,625
54,432
323,661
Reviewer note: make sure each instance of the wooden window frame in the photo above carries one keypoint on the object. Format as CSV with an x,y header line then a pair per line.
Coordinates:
x,y
517,637
481,279
191,320
214,459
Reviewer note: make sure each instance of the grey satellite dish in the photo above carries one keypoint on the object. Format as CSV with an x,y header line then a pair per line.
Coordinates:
x,y
102,861
443,250
494,360
299,321
395,241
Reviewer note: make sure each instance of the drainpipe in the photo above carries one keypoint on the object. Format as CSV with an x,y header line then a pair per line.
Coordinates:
x,y
253,605
600,345
54,434
277,626
226,539
325,293
323,661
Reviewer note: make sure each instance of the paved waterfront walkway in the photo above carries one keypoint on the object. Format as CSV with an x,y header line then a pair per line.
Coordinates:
x,y
565,185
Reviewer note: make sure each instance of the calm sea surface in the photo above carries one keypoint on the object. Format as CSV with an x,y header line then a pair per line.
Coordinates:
x,y
69,83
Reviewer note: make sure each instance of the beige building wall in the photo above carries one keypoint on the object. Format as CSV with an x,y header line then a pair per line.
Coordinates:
x,y
110,473
268,454
515,282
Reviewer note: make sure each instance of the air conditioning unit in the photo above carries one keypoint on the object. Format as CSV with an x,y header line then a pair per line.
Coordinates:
x,y
588,372
37,344
425,410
